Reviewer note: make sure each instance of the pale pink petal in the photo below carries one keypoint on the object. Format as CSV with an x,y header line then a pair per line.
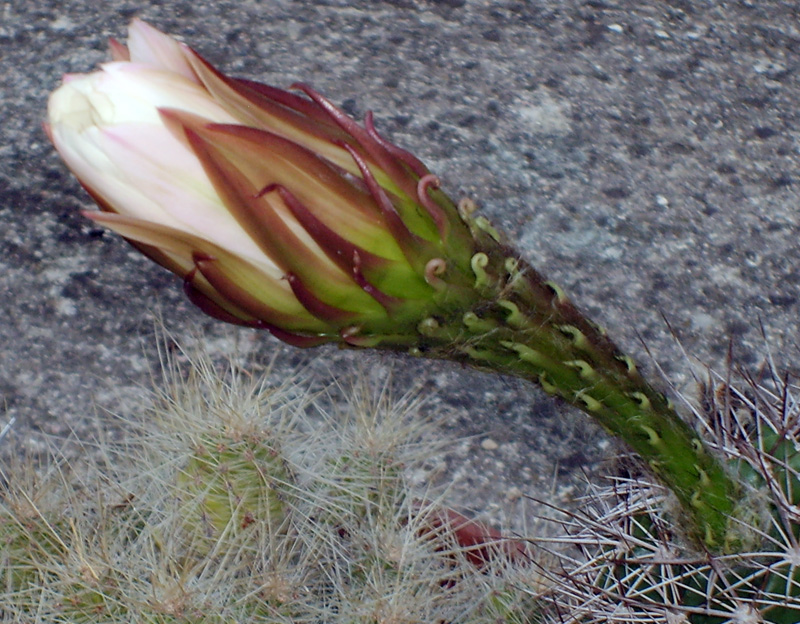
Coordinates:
x,y
183,197
136,91
152,47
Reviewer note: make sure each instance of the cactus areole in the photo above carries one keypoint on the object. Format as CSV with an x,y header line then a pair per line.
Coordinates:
x,y
280,212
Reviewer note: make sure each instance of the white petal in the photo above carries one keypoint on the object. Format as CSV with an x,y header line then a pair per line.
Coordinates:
x,y
152,47
107,129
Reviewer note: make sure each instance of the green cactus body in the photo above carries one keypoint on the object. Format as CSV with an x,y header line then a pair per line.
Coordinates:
x,y
655,579
777,461
42,553
24,544
230,483
638,561
772,587
87,602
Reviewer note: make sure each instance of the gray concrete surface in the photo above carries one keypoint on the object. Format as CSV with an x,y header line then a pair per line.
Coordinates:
x,y
644,154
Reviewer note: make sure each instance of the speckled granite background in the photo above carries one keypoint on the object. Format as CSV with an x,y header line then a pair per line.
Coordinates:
x,y
643,153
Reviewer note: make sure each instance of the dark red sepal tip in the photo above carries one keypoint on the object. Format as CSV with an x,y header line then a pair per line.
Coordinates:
x,y
210,307
317,307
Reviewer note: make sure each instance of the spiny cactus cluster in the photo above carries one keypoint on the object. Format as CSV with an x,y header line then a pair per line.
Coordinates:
x,y
636,565
237,502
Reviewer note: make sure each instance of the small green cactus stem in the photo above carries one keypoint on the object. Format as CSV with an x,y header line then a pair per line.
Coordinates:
x,y
29,542
231,482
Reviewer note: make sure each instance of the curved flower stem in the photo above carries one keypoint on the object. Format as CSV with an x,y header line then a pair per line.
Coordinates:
x,y
522,325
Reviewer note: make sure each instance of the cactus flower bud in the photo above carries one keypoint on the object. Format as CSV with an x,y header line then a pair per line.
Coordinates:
x,y
277,210
281,212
